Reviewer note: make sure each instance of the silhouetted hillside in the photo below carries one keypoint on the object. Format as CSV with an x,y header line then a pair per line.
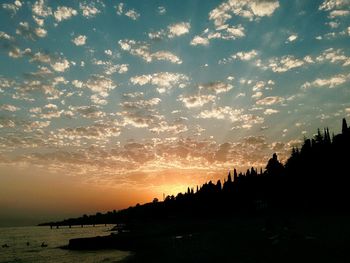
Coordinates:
x,y
315,178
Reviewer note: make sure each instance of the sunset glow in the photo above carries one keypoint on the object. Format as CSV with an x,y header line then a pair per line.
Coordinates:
x,y
105,104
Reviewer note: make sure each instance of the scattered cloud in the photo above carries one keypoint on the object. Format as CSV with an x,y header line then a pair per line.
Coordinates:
x,y
79,40
267,101
162,80
140,104
292,38
285,63
198,40
233,115
250,9
142,50
31,33
331,83
172,31
41,9
8,107
100,84
64,13
178,29
89,10
334,56
216,87
161,10
270,111
131,13
245,56
195,101
13,8
339,13
60,65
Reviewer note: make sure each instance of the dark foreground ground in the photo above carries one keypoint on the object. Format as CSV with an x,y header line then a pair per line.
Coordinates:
x,y
282,239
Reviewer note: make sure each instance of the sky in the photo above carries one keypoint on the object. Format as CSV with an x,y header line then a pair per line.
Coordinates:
x,y
105,104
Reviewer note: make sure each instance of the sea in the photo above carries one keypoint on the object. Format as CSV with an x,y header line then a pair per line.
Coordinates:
x,y
24,244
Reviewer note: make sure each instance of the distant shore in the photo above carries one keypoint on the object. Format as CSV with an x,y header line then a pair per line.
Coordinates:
x,y
311,238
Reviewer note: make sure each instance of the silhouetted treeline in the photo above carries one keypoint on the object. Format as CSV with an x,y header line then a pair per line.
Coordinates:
x,y
315,178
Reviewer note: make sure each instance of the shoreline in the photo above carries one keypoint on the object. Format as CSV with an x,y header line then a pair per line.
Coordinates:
x,y
264,239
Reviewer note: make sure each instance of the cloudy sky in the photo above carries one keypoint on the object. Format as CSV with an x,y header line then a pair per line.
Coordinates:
x,y
107,103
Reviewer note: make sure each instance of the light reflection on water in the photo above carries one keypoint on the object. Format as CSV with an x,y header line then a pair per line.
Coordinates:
x,y
18,251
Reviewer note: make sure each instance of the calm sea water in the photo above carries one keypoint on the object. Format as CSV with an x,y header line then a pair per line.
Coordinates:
x,y
18,251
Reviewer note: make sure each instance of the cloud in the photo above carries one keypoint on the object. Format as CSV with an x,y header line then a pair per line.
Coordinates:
x,y
233,32
334,56
245,56
174,128
64,13
36,125
29,32
270,111
141,113
178,29
142,50
196,101
267,101
338,13
131,13
336,8
50,111
224,32
328,5
96,99
331,83
198,40
8,107
6,37
285,63
167,56
140,119
161,10
60,65
140,104
216,87
133,95
292,38
43,81
257,95
172,31
13,8
89,10
111,68
41,9
90,112
162,80
97,131
233,115
100,84
251,9
79,40
77,83
17,53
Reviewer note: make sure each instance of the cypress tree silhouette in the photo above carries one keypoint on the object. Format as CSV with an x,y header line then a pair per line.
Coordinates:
x,y
344,127
274,167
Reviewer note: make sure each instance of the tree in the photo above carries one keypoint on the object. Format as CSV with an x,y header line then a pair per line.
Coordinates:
x,y
229,179
274,167
344,129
